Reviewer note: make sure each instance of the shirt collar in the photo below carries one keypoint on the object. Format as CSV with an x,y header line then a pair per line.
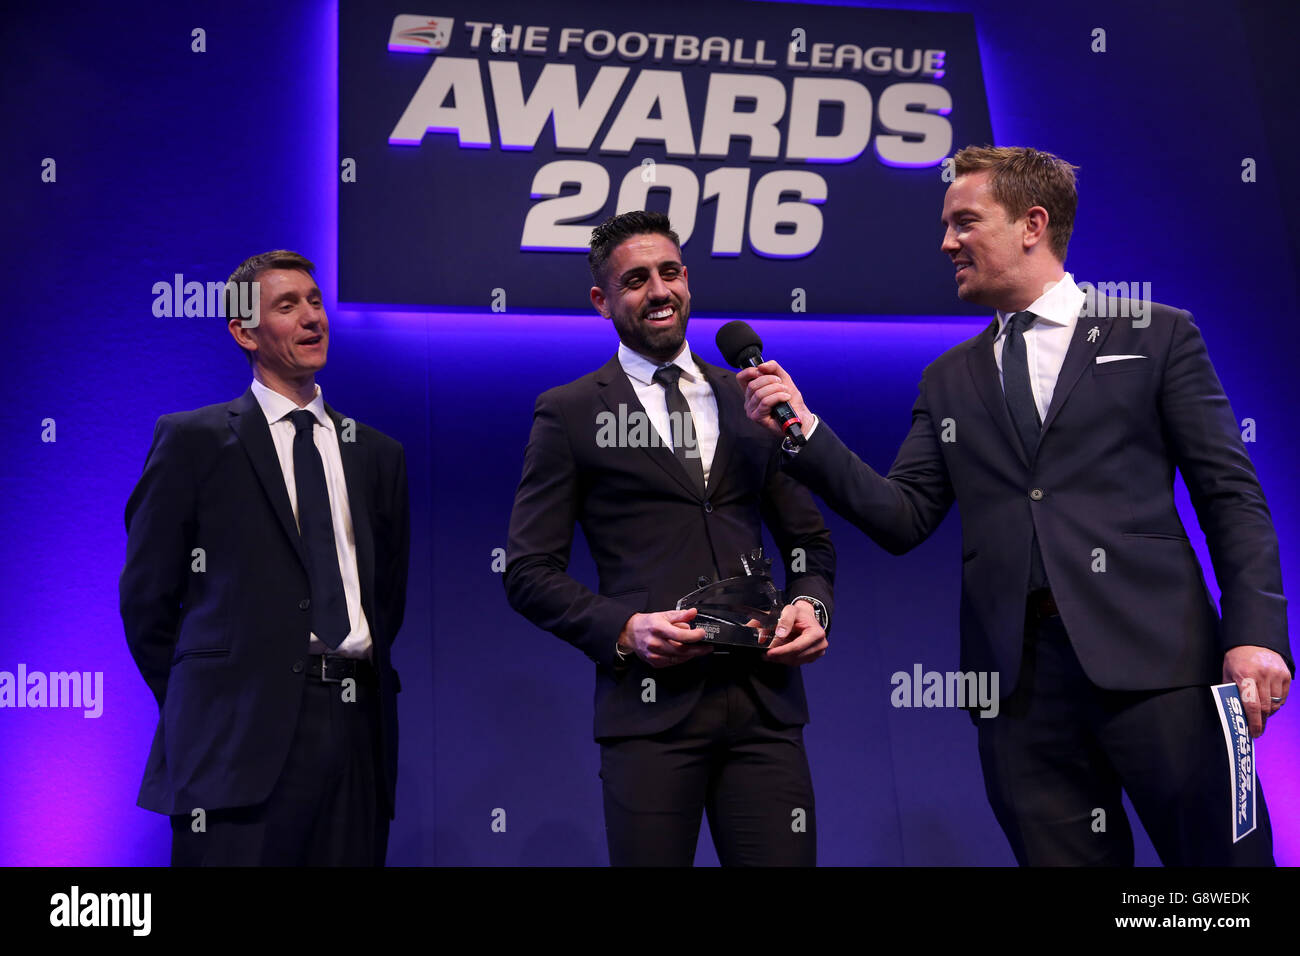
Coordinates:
x,y
641,369
276,406
1059,305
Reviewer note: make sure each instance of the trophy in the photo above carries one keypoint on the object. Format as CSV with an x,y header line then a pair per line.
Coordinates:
x,y
741,611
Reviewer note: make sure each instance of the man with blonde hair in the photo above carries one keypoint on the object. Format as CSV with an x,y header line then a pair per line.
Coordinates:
x,y
1079,586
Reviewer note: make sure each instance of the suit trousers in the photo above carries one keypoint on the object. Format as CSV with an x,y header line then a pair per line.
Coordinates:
x,y
727,758
1061,749
327,807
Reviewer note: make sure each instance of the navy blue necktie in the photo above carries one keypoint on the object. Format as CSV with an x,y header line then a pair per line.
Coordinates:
x,y
329,606
1024,415
667,376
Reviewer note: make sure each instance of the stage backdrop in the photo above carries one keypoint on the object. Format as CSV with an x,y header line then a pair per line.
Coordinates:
x,y
146,143
772,136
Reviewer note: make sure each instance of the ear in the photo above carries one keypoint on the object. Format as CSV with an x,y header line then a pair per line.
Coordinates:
x,y
598,301
247,341
1035,227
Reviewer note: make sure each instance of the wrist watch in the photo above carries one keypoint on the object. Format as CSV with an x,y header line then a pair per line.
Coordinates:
x,y
818,607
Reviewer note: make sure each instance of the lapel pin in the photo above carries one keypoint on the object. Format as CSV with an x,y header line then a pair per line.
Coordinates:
x,y
1093,333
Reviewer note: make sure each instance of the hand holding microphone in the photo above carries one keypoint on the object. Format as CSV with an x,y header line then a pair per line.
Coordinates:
x,y
771,398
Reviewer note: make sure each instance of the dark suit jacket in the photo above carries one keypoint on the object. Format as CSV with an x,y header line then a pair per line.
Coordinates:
x,y
1099,489
223,650
654,539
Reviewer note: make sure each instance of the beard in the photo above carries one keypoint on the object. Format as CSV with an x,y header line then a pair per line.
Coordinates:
x,y
660,344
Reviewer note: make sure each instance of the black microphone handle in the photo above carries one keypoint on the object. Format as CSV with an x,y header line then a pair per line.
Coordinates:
x,y
781,411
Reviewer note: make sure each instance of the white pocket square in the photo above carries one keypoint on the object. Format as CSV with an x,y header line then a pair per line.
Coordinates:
x,y
1103,359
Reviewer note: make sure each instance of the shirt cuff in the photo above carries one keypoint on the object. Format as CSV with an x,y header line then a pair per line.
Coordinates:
x,y
793,449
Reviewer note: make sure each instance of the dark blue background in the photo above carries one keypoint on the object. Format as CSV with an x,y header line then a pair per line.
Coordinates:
x,y
171,161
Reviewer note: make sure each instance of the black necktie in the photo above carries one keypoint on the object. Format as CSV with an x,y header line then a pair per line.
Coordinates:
x,y
1024,415
329,606
687,449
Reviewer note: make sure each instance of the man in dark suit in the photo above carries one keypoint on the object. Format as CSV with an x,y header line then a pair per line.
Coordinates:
x,y
683,726
1057,430
265,581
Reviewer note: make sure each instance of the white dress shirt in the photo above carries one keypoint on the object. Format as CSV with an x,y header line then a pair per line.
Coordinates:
x,y
1047,340
695,389
277,407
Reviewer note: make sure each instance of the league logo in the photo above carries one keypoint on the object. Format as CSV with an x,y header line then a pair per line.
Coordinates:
x,y
414,34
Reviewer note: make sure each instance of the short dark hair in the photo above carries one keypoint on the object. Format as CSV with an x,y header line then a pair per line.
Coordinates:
x,y
606,237
1023,178
254,266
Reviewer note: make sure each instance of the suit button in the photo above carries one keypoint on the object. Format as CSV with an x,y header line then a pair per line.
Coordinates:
x,y
1036,494
701,581
708,507
297,667
304,604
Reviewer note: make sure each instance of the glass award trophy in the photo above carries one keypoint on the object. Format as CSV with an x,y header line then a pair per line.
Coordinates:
x,y
741,611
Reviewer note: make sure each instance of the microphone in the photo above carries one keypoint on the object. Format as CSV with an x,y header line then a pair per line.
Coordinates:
x,y
741,347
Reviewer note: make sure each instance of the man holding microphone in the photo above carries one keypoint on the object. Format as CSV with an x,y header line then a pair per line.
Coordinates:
x,y
1069,426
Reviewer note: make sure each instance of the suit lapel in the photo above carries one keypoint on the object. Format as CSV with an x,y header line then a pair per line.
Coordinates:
x,y
1084,346
249,424
355,472
984,370
731,417
616,390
